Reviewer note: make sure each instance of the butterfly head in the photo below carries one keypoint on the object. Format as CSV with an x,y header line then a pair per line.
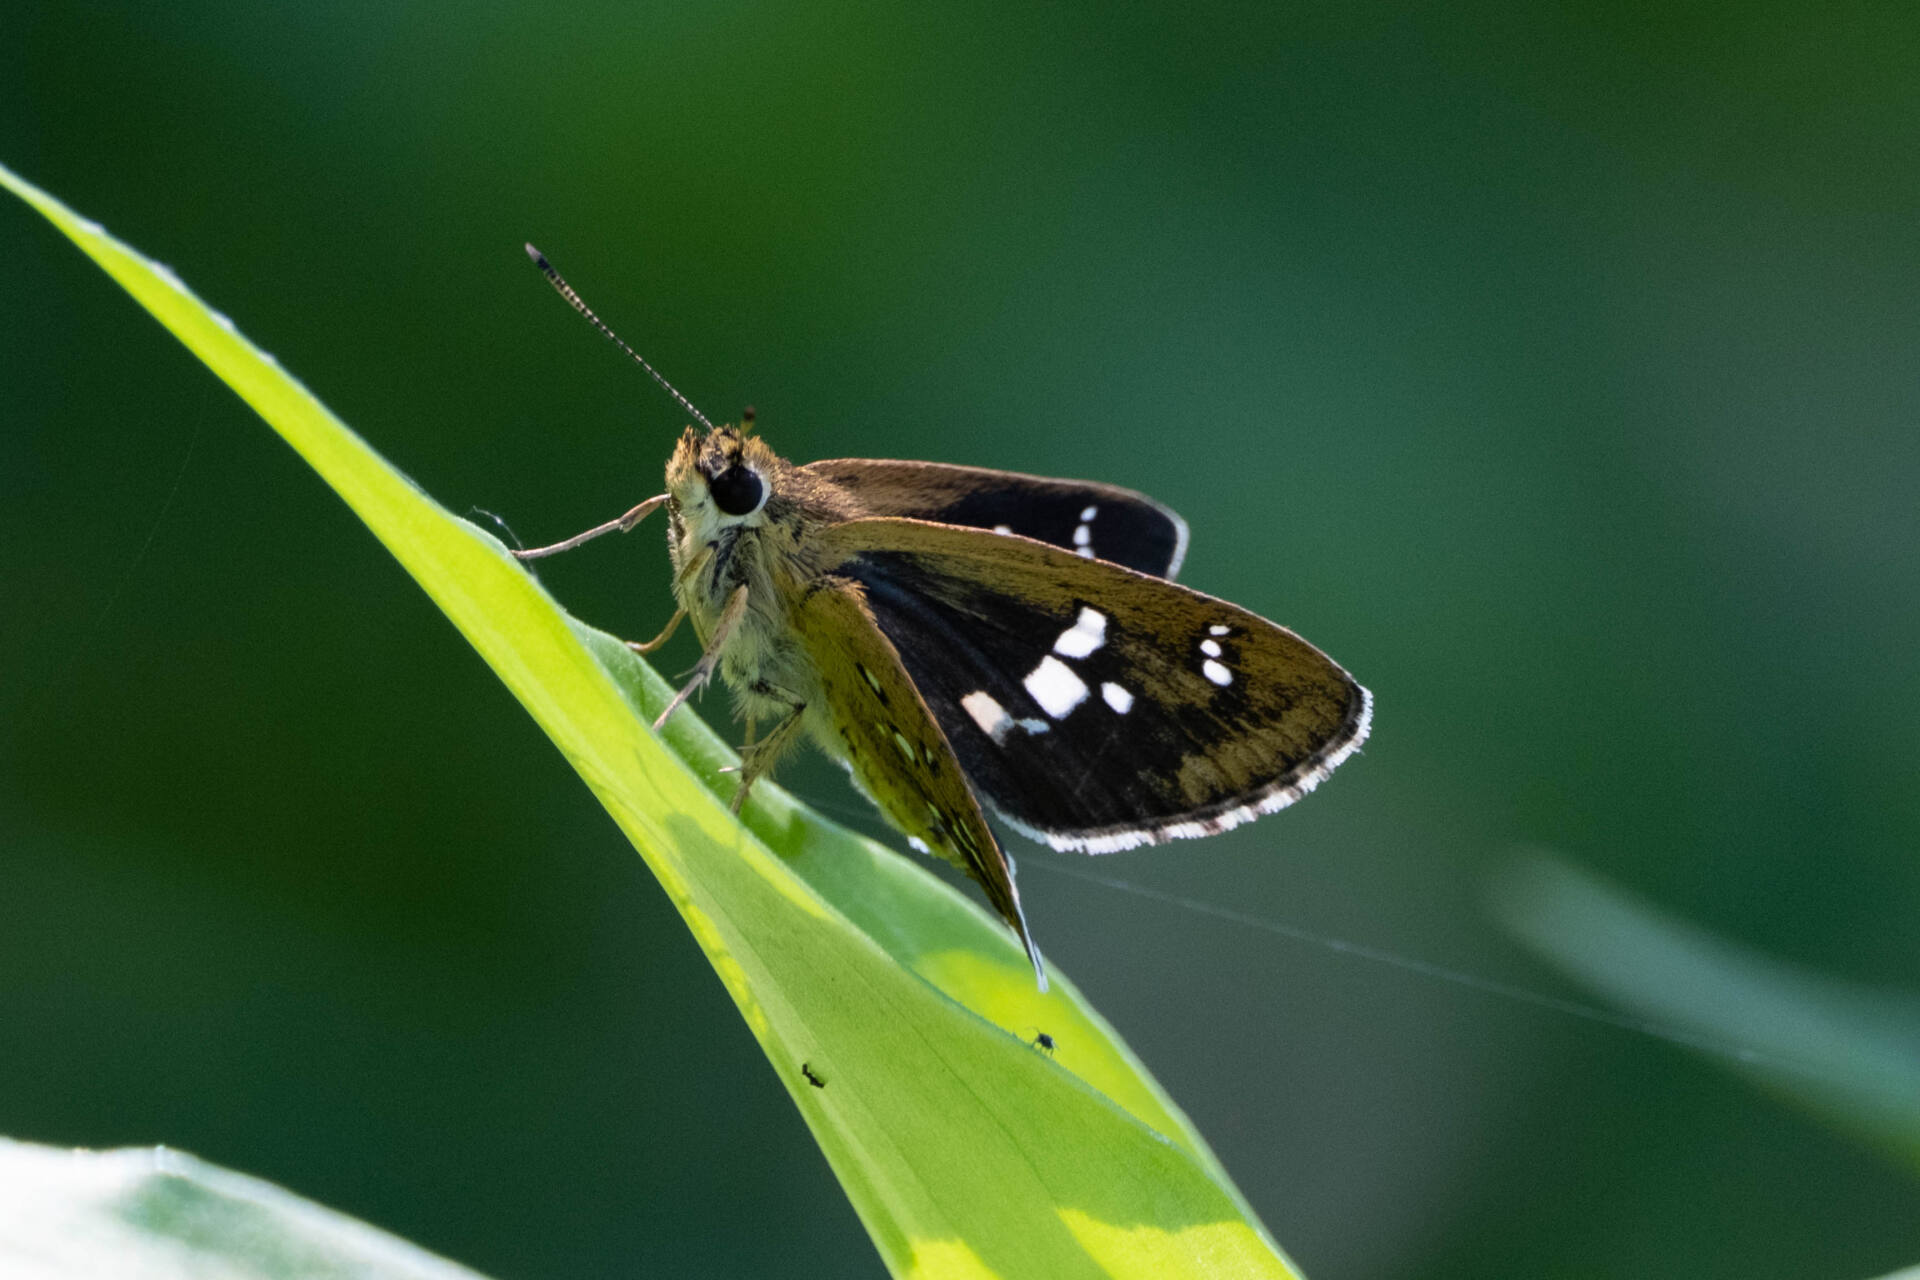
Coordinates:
x,y
721,479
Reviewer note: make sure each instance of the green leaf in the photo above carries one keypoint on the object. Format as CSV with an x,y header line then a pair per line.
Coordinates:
x,y
155,1214
1849,1053
966,1151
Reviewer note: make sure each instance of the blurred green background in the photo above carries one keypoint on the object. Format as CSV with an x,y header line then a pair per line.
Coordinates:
x,y
1552,368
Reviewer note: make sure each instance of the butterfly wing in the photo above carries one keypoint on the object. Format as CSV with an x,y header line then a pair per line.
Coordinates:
x,y
1095,707
1091,520
895,748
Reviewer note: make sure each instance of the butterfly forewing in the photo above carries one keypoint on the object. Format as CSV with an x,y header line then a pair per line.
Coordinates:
x,y
1095,707
1091,520
895,747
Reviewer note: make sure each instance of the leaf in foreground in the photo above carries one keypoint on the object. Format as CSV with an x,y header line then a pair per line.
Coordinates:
x,y
965,1151
155,1214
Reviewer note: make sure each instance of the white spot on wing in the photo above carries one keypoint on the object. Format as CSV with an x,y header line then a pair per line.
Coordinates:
x,y
993,718
1055,687
1083,533
987,713
1210,647
1003,528
1216,673
1117,698
1088,632
1218,630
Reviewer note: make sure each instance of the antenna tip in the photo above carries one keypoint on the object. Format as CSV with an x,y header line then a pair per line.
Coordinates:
x,y
539,258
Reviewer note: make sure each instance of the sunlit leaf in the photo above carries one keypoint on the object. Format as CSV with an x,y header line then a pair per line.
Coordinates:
x,y
964,1150
155,1214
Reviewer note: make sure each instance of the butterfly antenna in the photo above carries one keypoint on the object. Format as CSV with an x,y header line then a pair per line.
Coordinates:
x,y
573,300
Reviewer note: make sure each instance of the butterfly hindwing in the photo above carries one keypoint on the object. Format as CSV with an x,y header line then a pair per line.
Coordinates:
x,y
1098,708
1090,520
894,746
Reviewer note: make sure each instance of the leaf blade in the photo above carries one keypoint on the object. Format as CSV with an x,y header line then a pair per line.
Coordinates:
x,y
958,1143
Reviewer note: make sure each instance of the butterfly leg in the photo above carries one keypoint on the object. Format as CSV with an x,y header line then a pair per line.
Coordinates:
x,y
730,615
625,524
757,758
666,633
747,740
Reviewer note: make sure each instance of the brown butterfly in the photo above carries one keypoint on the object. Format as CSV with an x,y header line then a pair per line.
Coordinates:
x,y
953,634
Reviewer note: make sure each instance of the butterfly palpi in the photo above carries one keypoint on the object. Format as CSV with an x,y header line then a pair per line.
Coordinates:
x,y
956,635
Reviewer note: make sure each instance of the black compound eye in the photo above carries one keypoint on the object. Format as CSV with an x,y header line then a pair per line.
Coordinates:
x,y
737,490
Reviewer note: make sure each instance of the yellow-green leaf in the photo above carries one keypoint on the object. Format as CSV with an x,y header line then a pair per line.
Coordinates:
x,y
965,1150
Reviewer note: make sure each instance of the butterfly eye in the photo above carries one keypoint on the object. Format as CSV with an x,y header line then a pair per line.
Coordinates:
x,y
738,491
